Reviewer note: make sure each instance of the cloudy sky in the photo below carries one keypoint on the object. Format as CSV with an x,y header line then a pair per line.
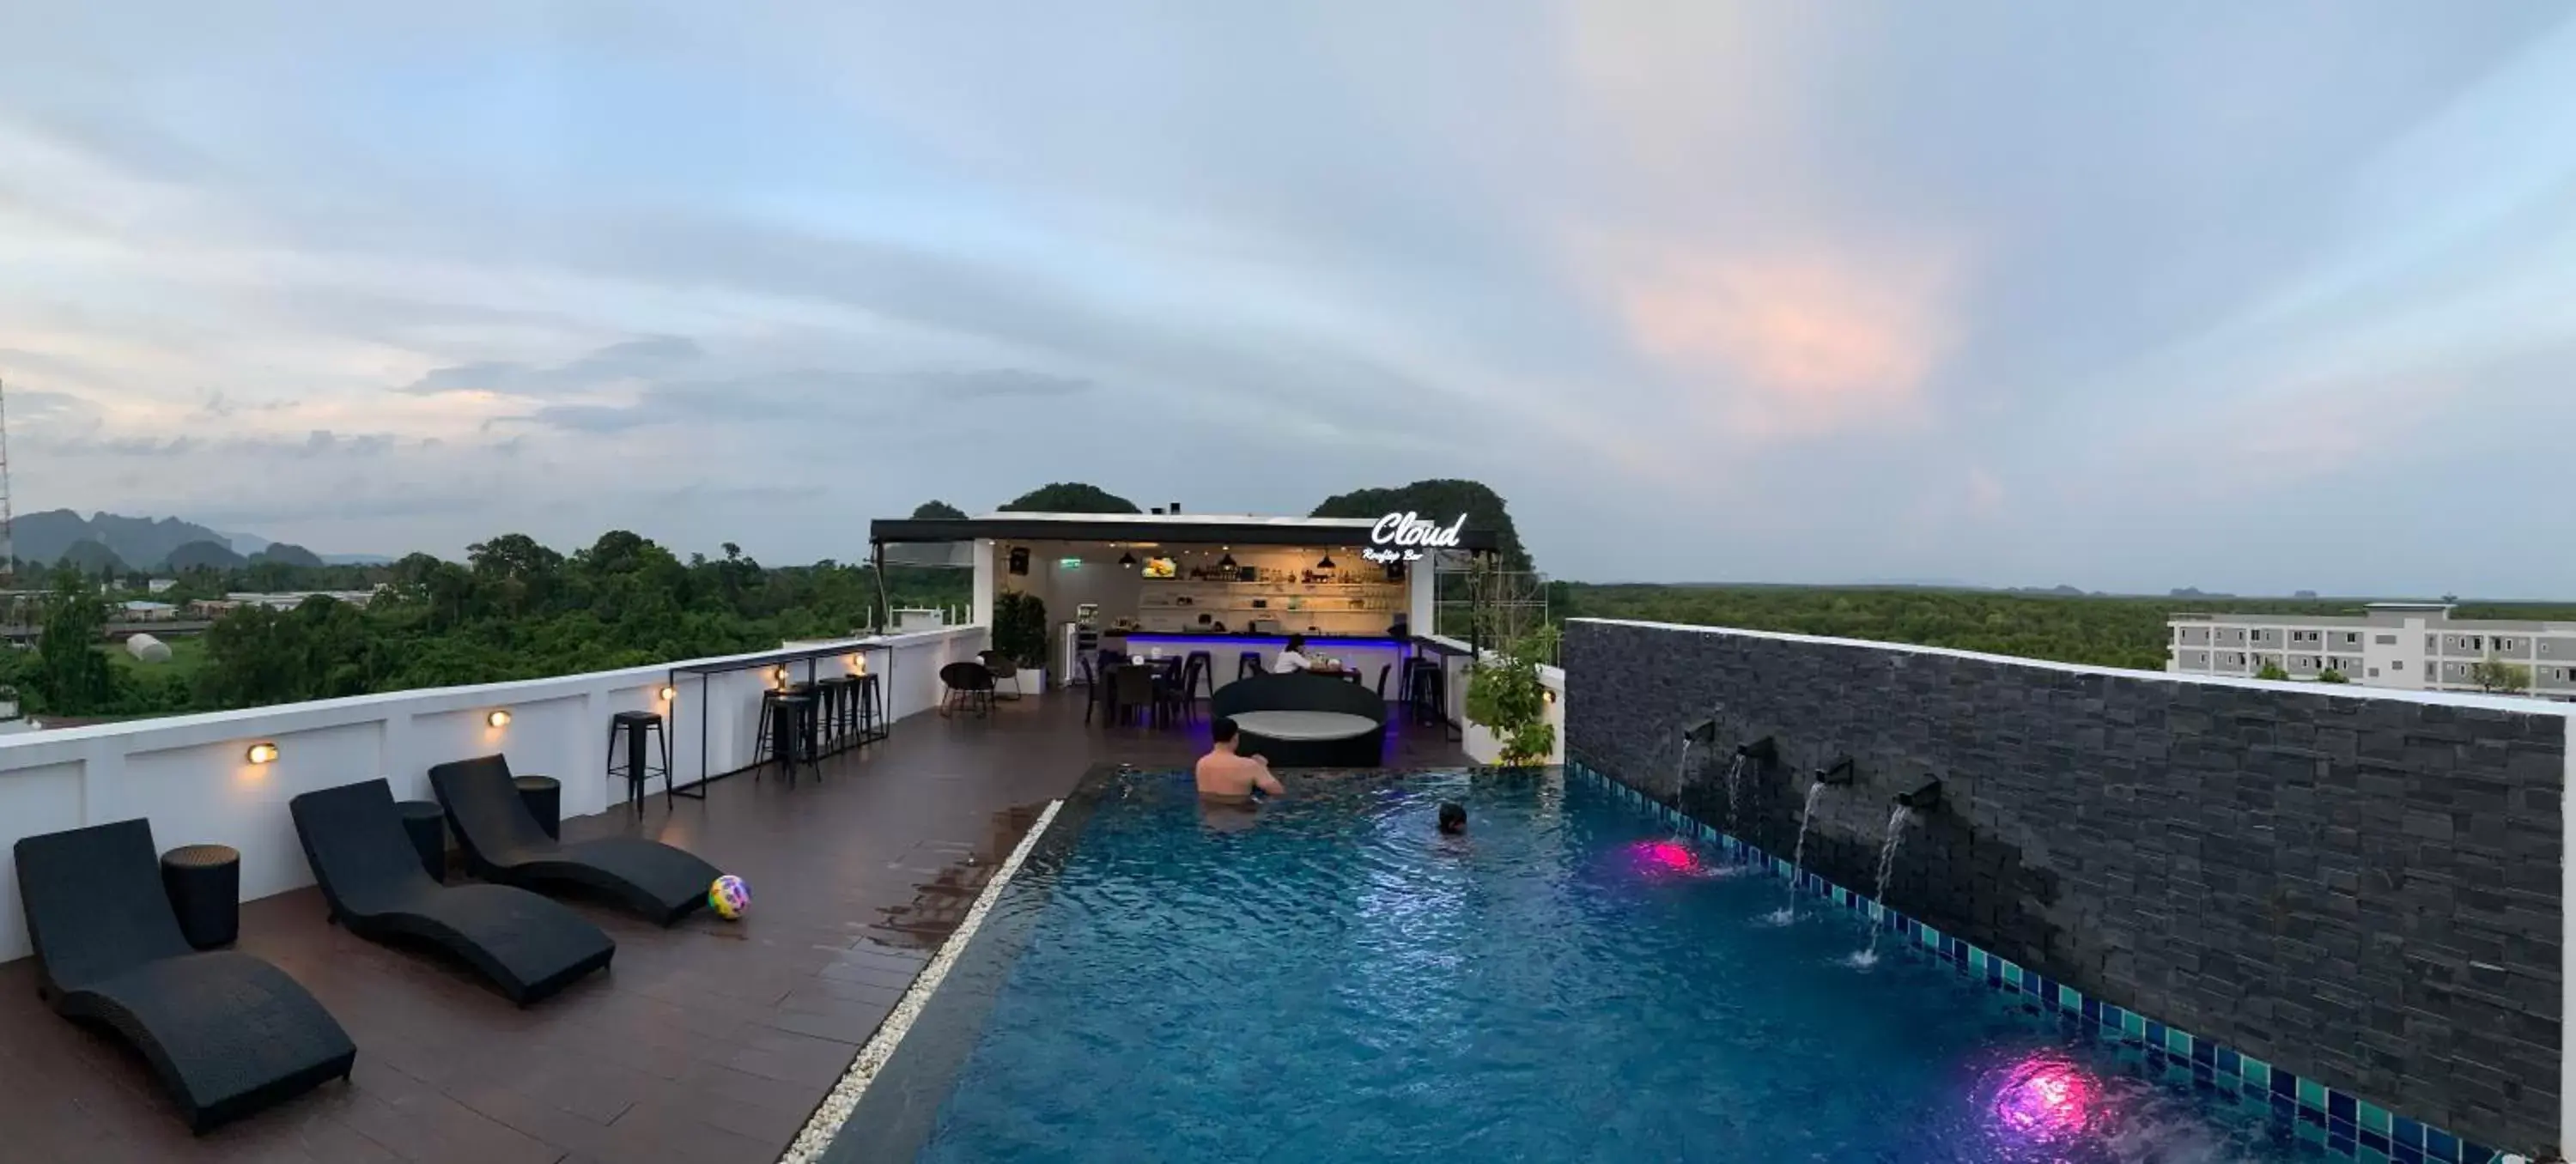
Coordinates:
x,y
2242,296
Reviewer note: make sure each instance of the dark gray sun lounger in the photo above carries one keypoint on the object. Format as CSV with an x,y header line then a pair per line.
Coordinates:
x,y
503,842
372,878
227,1033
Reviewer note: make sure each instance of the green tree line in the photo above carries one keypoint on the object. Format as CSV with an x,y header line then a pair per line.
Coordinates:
x,y
514,609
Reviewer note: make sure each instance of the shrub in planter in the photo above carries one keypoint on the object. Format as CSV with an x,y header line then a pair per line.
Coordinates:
x,y
1505,696
1020,627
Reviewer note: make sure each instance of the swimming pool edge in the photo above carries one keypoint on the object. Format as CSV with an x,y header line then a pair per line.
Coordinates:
x,y
831,1115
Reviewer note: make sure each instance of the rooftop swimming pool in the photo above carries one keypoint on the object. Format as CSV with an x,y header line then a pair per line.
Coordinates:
x,y
1331,979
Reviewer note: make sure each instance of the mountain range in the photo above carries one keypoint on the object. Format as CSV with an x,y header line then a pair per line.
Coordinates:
x,y
147,543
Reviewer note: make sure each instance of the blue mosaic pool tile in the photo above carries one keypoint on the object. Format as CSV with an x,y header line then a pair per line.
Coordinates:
x,y
2342,1124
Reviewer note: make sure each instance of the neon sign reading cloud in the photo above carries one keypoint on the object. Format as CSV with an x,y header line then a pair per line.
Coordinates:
x,y
1406,536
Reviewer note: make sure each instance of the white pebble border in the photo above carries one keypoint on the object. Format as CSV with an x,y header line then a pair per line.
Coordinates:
x,y
836,1107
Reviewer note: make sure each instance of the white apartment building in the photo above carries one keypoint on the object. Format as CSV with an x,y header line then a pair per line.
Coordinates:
x,y
2417,646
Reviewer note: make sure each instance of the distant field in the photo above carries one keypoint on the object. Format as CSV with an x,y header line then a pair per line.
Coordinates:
x,y
187,656
2103,631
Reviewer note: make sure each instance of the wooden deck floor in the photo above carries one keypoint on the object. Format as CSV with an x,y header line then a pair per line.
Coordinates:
x,y
710,1041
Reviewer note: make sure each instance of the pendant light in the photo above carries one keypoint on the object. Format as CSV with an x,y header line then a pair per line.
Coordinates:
x,y
1127,560
1226,562
1327,563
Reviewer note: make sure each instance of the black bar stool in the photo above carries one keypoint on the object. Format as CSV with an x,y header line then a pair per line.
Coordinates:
x,y
843,729
869,709
1426,687
426,823
811,722
634,726
204,884
854,727
544,797
1246,665
790,717
1198,670
760,744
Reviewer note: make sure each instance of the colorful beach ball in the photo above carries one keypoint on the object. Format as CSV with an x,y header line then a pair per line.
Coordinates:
x,y
729,897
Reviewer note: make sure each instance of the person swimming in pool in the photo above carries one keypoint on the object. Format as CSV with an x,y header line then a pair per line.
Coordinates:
x,y
1226,775
1453,819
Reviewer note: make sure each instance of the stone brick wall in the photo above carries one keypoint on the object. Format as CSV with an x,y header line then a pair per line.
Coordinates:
x,y
2365,889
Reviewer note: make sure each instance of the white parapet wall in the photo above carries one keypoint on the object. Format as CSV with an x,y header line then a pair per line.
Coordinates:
x,y
192,777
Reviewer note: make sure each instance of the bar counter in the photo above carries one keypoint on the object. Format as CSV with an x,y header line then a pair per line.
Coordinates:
x,y
1365,654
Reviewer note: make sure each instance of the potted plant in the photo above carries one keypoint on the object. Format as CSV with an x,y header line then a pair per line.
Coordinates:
x,y
1020,628
1505,697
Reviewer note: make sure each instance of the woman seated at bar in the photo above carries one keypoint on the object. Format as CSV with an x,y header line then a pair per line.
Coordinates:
x,y
1293,658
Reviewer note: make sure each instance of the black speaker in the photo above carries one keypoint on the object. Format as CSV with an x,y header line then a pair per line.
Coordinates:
x,y
1019,559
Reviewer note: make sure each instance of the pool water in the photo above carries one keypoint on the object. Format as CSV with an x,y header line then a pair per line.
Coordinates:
x,y
1331,980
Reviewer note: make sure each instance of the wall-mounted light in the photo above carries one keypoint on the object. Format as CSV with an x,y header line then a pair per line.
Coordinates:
x,y
779,674
858,664
499,718
262,753
669,693
1547,693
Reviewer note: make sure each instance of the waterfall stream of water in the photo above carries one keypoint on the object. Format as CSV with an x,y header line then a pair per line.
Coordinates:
x,y
1798,855
1896,822
1734,793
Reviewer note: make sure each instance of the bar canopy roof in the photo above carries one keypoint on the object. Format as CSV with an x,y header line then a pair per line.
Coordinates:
x,y
1159,528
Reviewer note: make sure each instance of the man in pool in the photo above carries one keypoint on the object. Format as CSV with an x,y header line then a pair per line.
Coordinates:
x,y
1453,818
1228,776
